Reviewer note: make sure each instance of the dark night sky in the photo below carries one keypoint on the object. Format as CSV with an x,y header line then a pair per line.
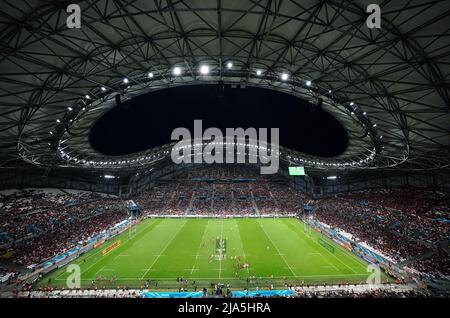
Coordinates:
x,y
148,120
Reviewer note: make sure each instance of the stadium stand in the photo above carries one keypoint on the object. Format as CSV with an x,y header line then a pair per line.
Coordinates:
x,y
232,190
326,291
42,224
403,224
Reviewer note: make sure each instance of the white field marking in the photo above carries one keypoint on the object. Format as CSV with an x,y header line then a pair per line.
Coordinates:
x,y
331,265
346,253
243,251
167,245
234,278
60,274
334,257
314,254
199,246
150,223
89,267
159,255
352,256
194,269
284,259
103,269
116,257
220,258
324,256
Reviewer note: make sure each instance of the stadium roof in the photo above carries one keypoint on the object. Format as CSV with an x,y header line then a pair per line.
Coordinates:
x,y
389,87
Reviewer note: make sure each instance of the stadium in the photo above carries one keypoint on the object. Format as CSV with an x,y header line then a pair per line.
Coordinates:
x,y
224,149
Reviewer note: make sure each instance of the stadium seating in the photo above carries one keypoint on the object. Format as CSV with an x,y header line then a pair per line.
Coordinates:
x,y
230,190
43,224
402,224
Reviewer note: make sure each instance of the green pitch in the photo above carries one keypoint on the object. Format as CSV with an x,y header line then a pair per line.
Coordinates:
x,y
277,251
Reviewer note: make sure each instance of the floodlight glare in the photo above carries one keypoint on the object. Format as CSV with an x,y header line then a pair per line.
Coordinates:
x,y
125,80
204,69
177,71
258,72
284,76
150,75
308,83
229,65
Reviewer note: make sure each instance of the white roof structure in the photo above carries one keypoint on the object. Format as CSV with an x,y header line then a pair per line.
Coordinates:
x,y
389,87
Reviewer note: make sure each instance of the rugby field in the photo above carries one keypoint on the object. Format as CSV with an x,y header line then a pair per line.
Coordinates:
x,y
276,250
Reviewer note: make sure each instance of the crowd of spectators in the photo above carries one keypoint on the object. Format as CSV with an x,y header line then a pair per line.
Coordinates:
x,y
416,202
222,190
221,198
31,200
7,275
380,293
224,291
40,224
400,223
437,265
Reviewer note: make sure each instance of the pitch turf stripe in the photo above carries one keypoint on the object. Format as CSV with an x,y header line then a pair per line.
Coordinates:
x,y
334,245
282,256
164,249
234,278
337,258
151,224
139,243
242,246
349,255
199,248
220,258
